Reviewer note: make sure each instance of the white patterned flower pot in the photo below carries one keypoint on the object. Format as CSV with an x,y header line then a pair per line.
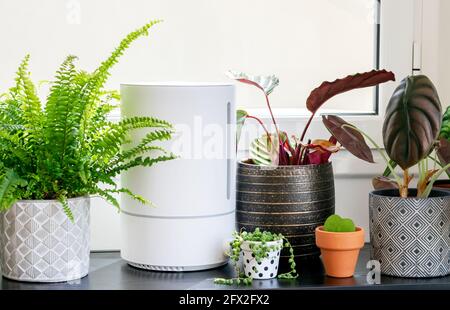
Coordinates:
x,y
38,242
410,237
267,268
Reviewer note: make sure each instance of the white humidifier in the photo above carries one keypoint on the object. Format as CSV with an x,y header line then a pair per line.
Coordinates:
x,y
194,195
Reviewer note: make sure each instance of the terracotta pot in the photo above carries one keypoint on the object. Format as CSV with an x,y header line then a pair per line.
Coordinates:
x,y
340,251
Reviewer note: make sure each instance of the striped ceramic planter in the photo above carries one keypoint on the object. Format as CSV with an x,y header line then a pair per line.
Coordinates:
x,y
292,200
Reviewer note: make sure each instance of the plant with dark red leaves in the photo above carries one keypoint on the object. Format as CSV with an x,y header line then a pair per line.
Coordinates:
x,y
277,148
411,132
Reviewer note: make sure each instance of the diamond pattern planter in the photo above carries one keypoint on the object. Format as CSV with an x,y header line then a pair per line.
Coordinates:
x,y
410,236
40,244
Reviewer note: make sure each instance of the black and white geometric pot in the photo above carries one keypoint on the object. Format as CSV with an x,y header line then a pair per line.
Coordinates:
x,y
266,268
38,242
410,237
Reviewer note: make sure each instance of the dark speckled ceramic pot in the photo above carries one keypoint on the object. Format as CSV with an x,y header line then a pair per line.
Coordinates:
x,y
292,200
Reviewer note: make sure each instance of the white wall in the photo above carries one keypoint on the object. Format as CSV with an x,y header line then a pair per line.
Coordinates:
x,y
42,28
352,176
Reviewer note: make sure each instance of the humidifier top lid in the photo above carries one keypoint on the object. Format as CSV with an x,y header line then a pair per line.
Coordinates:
x,y
178,84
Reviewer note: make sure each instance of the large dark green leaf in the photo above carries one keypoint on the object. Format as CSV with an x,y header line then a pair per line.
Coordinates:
x,y
412,122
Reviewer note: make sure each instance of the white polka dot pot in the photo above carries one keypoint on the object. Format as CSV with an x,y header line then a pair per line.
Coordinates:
x,y
266,268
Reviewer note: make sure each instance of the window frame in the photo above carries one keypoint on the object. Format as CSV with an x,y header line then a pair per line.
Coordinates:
x,y
395,44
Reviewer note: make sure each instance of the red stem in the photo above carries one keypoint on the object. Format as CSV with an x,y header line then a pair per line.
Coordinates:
x,y
264,127
306,127
273,118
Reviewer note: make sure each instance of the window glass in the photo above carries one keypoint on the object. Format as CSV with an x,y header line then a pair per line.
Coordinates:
x,y
303,42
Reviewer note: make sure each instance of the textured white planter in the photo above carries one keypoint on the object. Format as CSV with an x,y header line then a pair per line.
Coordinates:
x,y
38,243
267,268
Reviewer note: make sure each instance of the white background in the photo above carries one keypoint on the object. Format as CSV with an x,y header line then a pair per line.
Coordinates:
x,y
51,29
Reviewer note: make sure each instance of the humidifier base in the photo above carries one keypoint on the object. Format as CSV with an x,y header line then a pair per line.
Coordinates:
x,y
175,268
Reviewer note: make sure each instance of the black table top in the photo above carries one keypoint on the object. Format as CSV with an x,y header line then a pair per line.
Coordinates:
x,y
109,272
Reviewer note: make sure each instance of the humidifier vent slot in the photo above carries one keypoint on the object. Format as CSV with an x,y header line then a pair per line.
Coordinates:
x,y
228,150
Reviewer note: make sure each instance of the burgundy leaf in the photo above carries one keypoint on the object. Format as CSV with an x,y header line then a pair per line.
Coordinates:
x,y
305,156
443,152
283,156
297,155
285,141
318,157
333,140
382,182
360,80
329,89
351,139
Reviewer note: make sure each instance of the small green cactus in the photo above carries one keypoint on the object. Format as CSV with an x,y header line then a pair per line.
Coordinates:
x,y
335,223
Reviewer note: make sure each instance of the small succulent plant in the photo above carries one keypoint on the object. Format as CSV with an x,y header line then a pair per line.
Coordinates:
x,y
335,223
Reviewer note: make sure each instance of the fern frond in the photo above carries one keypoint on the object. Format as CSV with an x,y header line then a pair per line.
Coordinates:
x,y
102,73
143,121
108,142
11,143
22,106
9,182
64,203
60,126
143,146
10,113
91,92
31,105
139,161
108,197
139,150
20,74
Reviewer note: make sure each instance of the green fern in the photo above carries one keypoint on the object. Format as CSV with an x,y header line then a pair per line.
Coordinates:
x,y
70,148
66,207
9,181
